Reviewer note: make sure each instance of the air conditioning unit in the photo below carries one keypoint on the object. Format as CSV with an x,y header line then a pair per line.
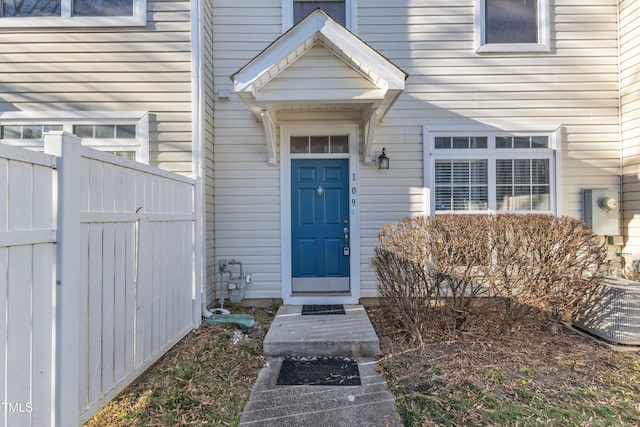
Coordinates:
x,y
612,312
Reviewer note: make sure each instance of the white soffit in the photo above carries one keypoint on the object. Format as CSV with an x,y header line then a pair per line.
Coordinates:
x,y
318,29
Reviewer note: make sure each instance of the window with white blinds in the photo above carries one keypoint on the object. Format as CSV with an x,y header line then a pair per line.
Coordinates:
x,y
491,172
461,185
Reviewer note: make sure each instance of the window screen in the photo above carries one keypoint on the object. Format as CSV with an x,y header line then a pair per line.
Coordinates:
x,y
103,8
30,8
511,21
334,8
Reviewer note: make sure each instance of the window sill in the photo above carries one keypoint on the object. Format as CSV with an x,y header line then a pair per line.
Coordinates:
x,y
73,22
512,48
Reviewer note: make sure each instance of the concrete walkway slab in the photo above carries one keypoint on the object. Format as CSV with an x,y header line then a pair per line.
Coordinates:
x,y
367,405
350,335
346,335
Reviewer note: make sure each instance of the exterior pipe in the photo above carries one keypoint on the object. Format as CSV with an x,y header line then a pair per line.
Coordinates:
x,y
198,163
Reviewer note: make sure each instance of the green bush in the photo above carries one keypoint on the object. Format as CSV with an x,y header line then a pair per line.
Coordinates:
x,y
434,268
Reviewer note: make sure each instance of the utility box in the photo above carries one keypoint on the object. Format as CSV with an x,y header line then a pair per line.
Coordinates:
x,y
601,211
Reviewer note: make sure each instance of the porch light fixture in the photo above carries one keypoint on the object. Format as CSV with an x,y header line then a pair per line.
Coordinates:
x,y
383,160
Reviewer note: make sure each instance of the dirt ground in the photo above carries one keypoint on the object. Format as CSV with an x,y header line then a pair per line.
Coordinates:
x,y
529,377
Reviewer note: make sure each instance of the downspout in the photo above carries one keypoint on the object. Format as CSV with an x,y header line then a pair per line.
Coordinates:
x,y
620,136
198,163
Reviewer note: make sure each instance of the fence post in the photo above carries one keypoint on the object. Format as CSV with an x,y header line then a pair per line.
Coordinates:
x,y
67,329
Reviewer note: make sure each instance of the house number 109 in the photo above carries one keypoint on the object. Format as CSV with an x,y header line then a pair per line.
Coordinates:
x,y
353,192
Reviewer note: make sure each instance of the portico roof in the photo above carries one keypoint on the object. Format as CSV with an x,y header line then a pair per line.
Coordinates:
x,y
318,65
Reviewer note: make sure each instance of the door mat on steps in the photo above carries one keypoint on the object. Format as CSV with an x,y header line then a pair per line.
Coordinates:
x,y
322,309
333,371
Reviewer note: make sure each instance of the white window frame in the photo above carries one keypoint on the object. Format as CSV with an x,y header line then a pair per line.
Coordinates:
x,y
139,145
351,8
544,32
66,18
491,154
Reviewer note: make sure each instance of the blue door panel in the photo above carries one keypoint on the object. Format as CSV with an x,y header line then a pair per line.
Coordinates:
x,y
306,261
306,208
307,174
333,264
319,214
333,214
333,174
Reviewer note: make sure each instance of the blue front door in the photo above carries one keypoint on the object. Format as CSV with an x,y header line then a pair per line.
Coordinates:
x,y
320,225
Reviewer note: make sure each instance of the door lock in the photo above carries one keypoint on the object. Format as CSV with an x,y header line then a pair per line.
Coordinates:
x,y
346,250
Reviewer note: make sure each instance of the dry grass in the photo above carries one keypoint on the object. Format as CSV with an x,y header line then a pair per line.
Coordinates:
x,y
528,377
204,380
479,377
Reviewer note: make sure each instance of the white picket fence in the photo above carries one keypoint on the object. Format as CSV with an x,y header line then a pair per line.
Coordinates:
x,y
97,277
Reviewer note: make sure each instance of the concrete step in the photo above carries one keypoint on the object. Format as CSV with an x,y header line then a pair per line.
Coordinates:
x,y
368,405
371,381
344,335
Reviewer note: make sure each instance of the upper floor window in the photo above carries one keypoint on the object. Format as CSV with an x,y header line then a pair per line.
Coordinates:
x,y
74,13
343,11
334,8
512,25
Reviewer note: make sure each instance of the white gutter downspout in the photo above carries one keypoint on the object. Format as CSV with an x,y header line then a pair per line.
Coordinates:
x,y
198,163
620,133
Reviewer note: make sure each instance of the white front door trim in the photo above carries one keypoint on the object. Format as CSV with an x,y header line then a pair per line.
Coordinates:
x,y
286,131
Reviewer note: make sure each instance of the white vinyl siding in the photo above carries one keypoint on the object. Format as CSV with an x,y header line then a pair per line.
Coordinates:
x,y
630,115
246,192
574,85
321,71
146,69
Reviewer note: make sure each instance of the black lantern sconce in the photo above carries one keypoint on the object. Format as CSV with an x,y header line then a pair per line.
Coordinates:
x,y
383,160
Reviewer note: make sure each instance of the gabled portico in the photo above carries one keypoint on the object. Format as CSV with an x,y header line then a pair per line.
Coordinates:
x,y
318,65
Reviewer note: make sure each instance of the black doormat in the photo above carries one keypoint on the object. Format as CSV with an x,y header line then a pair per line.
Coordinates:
x,y
322,309
333,371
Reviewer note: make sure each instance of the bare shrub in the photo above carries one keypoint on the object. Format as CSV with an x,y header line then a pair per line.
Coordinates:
x,y
515,267
569,257
460,254
544,262
404,274
434,268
